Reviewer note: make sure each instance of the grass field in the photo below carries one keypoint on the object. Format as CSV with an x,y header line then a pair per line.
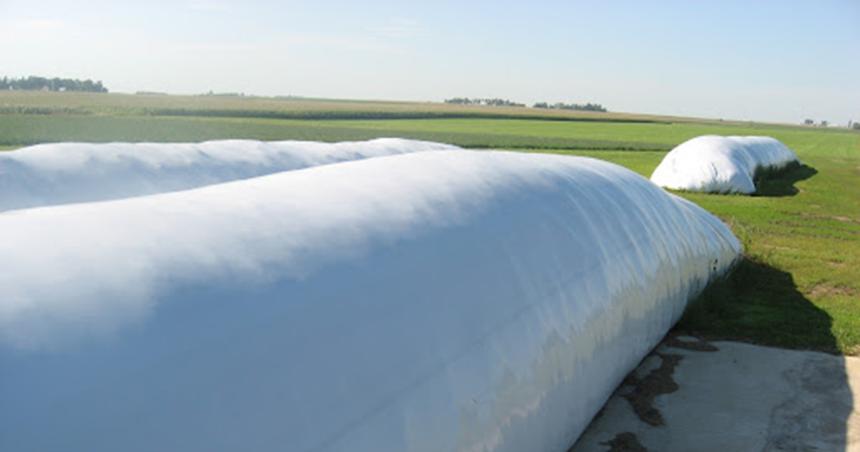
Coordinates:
x,y
798,287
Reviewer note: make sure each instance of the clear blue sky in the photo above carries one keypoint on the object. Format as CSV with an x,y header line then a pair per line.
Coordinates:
x,y
765,60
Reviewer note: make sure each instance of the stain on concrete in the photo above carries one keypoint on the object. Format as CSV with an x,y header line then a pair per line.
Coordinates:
x,y
690,343
657,382
813,416
743,397
625,442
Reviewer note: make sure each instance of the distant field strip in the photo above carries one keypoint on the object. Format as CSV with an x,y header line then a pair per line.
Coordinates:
x,y
25,129
364,114
282,108
32,129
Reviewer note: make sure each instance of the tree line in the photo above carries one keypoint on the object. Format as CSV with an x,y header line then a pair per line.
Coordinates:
x,y
33,83
487,102
507,103
563,106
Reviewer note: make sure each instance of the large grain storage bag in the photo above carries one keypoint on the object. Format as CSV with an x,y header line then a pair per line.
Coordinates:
x,y
436,301
718,164
61,173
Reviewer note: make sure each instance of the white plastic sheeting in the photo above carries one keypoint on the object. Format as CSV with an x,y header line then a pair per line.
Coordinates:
x,y
720,164
437,301
61,173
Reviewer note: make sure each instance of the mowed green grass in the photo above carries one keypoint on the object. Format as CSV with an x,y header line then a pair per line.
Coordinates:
x,y
798,287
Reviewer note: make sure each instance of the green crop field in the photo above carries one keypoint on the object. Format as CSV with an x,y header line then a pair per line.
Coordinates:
x,y
37,102
799,285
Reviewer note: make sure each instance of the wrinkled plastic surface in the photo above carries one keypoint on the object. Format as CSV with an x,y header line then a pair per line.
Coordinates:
x,y
61,173
718,164
435,301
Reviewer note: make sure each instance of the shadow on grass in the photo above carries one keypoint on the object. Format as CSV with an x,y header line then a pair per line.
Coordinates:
x,y
777,183
761,304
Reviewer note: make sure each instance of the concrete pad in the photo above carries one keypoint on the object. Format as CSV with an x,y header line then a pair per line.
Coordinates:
x,y
740,397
